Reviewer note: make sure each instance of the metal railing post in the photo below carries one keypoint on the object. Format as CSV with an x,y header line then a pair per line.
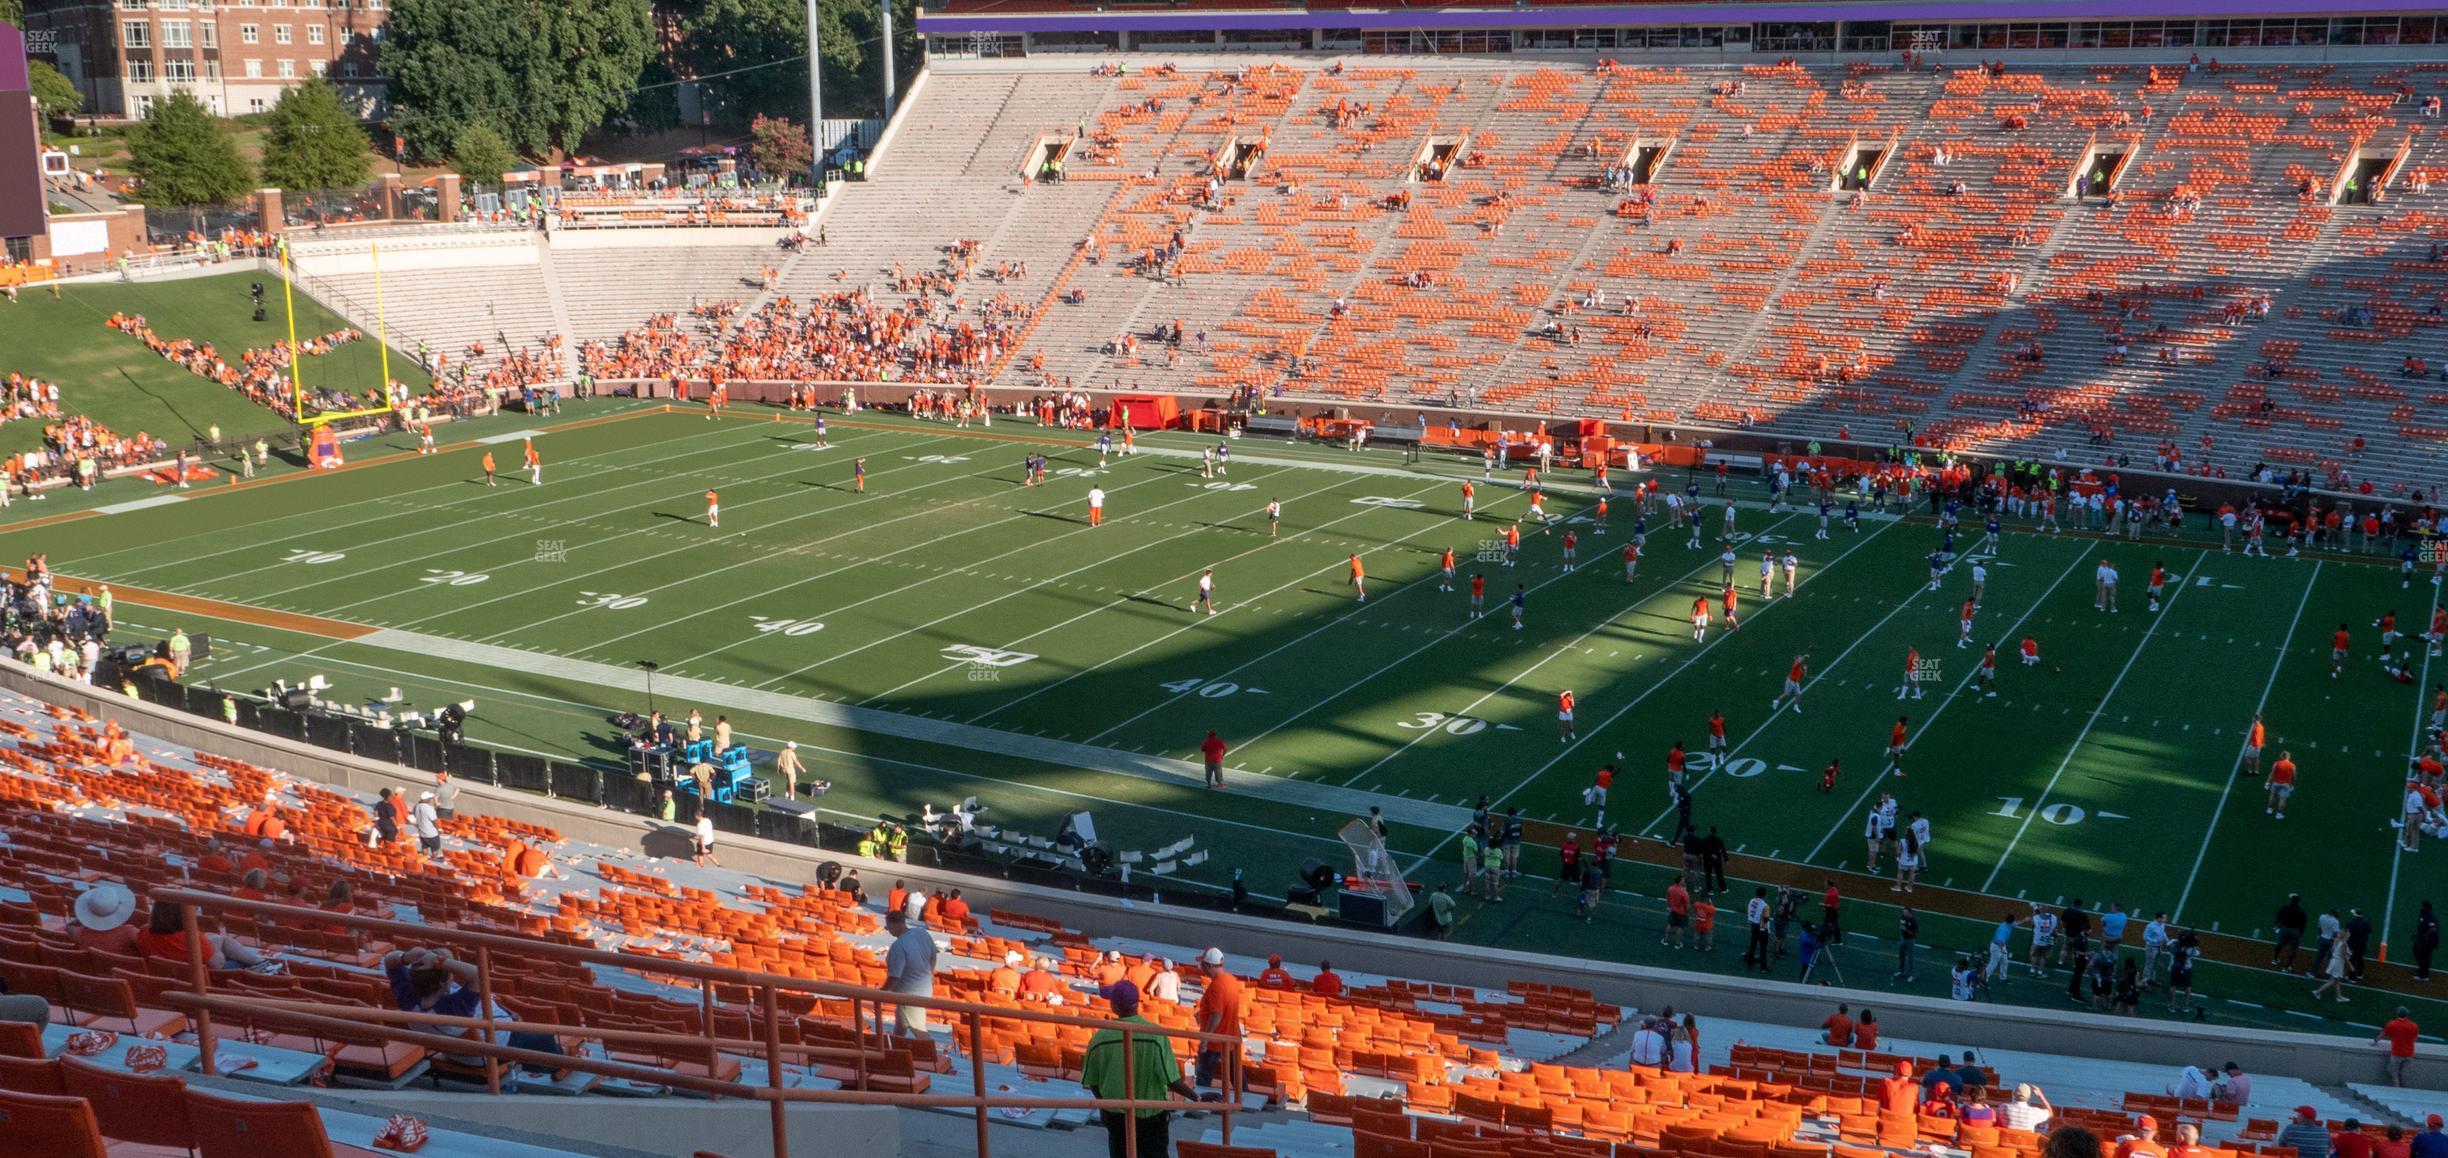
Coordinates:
x,y
977,1072
858,1022
202,977
1130,1092
713,1050
484,994
772,1006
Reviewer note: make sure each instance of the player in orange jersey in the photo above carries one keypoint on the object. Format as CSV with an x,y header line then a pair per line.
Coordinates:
x,y
2281,785
1700,619
1470,500
1717,736
1897,739
2337,650
1478,603
1795,676
1359,579
1731,622
713,509
1963,633
535,466
488,468
1631,560
2254,734
2158,584
1911,687
1445,570
1564,715
1986,677
1572,549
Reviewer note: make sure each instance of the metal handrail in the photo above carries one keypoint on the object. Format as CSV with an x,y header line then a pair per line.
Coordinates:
x,y
392,1025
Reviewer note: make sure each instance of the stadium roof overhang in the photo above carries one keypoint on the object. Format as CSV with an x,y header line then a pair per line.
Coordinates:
x,y
1012,17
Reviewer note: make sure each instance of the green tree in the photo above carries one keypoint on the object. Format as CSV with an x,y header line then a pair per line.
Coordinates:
x,y
183,157
54,94
12,12
780,147
543,73
311,141
749,52
481,156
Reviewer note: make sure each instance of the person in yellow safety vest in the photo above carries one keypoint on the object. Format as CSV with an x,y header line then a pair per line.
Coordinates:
x,y
897,842
229,710
180,649
867,843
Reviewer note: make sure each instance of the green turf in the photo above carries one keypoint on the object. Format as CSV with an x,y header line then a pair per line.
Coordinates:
x,y
2108,773
114,379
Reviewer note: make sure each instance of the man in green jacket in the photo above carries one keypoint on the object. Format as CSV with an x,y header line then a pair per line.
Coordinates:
x,y
1145,1069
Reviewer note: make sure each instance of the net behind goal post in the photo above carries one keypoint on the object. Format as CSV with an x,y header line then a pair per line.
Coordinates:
x,y
1375,871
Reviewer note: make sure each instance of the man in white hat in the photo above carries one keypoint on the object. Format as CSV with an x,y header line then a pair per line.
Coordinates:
x,y
1219,1012
788,767
103,913
427,820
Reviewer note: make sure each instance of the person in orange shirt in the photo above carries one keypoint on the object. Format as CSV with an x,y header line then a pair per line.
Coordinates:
x,y
1512,544
1572,549
2253,736
1219,1012
1704,922
1963,634
1911,687
1445,570
1631,560
1838,1028
1795,676
1004,982
488,468
1599,518
1470,500
2281,784
1678,913
1731,623
858,475
535,465
2437,634
2158,584
1359,578
713,509
1897,737
2031,651
1675,764
1564,715
955,911
1700,619
2337,650
1716,734
1478,603
1327,983
1274,976
1109,969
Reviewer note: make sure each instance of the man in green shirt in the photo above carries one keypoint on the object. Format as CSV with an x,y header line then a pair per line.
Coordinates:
x,y
1440,913
1146,1070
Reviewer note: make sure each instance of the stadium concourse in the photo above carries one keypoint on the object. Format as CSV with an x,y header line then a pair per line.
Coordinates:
x,y
97,817
2165,264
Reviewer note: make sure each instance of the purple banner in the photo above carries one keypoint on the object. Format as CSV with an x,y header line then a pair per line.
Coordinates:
x,y
21,187
1622,15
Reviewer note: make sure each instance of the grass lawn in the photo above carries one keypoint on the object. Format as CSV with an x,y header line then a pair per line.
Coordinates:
x,y
952,632
114,379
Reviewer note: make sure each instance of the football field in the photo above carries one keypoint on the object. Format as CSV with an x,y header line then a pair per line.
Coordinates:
x,y
952,632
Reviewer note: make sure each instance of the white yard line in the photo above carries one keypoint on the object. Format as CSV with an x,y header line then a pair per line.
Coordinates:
x,y
1872,785
945,573
1025,589
527,530
2422,686
2098,711
2235,766
1919,589
1472,708
1603,725
1042,689
158,547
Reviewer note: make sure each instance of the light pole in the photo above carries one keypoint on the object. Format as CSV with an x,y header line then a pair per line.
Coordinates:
x,y
649,667
815,101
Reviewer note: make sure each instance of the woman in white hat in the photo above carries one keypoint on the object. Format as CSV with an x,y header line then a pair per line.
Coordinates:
x,y
103,913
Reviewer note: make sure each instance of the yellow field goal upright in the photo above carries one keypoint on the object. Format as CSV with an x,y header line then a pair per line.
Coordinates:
x,y
297,357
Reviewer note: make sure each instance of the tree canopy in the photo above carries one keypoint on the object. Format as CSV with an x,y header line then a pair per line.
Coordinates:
x,y
183,157
542,73
780,147
54,94
481,155
312,141
749,54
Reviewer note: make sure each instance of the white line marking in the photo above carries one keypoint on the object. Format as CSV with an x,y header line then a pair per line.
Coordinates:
x,y
2235,766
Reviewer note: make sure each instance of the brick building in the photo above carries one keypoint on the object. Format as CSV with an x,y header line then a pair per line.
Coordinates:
x,y
235,55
